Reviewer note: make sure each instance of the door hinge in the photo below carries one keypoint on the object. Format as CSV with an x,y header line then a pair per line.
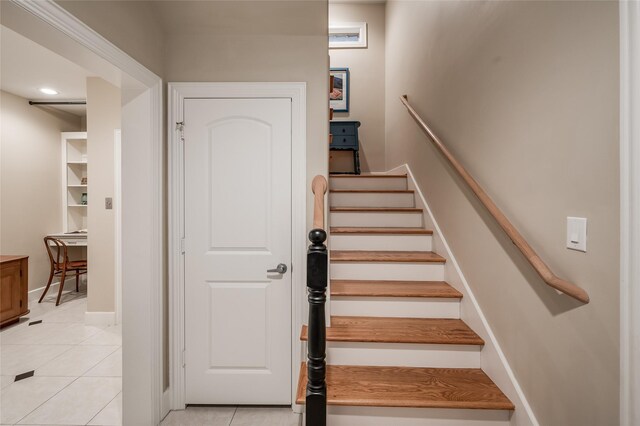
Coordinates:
x,y
180,128
21,303
184,358
182,244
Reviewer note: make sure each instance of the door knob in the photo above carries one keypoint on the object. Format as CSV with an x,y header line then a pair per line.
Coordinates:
x,y
281,269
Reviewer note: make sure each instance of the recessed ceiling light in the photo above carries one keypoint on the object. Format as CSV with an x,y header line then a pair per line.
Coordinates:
x,y
48,91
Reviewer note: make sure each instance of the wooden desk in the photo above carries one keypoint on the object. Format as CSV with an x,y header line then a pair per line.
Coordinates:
x,y
14,287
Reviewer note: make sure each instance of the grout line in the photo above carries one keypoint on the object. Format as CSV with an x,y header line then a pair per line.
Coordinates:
x,y
93,335
46,362
63,388
90,368
102,360
234,415
100,410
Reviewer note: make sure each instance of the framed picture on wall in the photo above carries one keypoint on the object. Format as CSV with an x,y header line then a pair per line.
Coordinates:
x,y
339,95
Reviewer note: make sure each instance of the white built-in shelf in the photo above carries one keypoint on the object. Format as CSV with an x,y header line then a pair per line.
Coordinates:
x,y
74,171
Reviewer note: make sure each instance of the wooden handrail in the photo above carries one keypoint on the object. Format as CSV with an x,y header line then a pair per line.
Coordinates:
x,y
529,253
319,188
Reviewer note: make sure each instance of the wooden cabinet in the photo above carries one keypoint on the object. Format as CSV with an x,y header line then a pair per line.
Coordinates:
x,y
14,285
345,138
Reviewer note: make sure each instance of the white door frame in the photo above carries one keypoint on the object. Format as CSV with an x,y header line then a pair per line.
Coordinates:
x,y
142,223
177,93
117,211
629,213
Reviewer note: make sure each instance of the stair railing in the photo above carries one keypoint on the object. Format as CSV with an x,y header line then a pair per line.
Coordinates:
x,y
316,395
529,253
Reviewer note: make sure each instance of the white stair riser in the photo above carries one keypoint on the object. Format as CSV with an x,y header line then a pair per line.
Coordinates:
x,y
400,416
377,219
398,183
371,199
380,242
403,354
387,271
396,307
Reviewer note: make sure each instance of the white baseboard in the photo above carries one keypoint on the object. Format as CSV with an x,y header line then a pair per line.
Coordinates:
x,y
100,318
35,294
492,358
165,406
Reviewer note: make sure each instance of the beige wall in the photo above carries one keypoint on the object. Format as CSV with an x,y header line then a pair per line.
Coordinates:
x,y
131,25
103,118
255,41
30,180
526,95
366,67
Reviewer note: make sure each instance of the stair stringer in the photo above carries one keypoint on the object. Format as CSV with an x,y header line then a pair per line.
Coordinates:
x,y
492,359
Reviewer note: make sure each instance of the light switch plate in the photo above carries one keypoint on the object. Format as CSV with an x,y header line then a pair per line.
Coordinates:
x,y
577,233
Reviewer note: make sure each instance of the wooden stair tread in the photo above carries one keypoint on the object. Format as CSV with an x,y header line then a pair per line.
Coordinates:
x,y
408,387
341,176
356,288
376,209
436,331
371,191
382,231
385,256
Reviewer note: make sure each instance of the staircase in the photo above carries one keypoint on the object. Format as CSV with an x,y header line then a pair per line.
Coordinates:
x,y
398,353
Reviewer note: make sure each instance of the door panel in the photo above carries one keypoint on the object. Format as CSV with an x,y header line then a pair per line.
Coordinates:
x,y
254,337
238,145
237,225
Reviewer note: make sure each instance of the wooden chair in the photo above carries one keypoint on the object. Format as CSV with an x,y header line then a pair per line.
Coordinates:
x,y
60,265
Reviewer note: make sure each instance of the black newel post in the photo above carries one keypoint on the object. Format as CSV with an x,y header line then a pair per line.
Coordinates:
x,y
316,401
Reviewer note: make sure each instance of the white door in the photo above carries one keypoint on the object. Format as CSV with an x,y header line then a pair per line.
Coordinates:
x,y
237,226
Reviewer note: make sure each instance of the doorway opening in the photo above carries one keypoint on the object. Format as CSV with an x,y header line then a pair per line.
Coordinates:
x,y
139,103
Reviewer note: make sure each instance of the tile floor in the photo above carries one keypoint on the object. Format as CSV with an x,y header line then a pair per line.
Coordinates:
x,y
233,416
78,375
77,368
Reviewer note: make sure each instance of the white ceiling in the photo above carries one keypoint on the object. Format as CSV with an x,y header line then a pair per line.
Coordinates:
x,y
26,66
